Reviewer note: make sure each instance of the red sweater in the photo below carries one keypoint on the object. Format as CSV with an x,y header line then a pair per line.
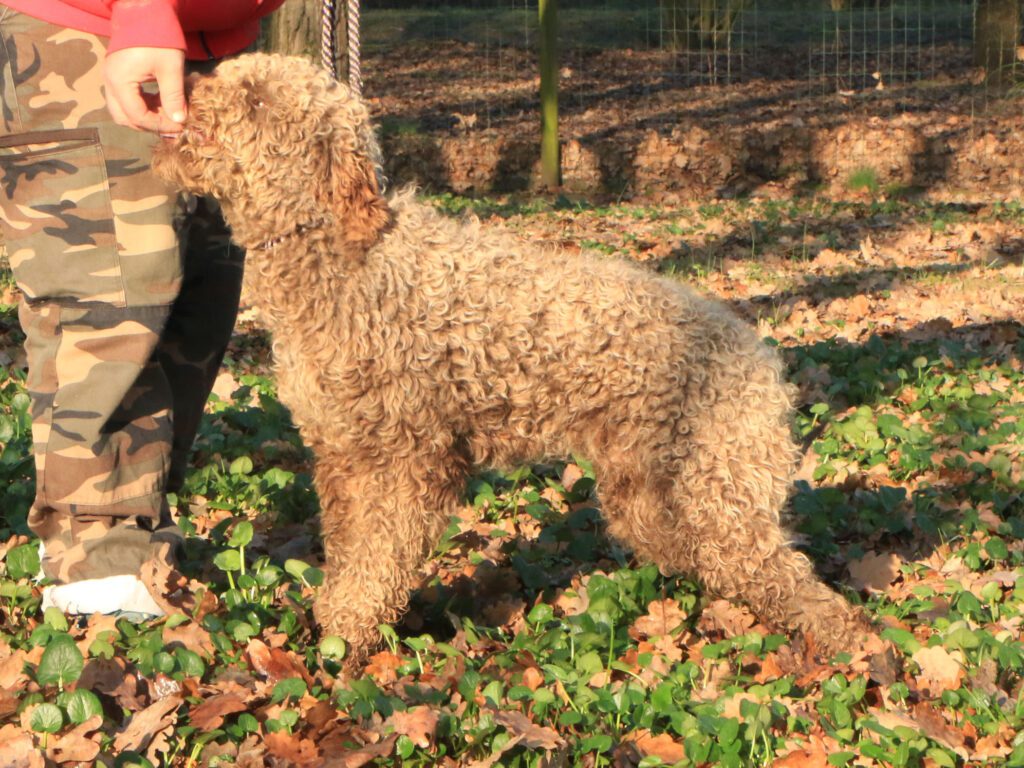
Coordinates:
x,y
201,28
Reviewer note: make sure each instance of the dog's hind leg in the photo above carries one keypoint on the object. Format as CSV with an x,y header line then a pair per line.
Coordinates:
x,y
706,502
378,528
742,554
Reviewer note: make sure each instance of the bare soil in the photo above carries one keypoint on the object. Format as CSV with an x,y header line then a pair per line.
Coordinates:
x,y
463,117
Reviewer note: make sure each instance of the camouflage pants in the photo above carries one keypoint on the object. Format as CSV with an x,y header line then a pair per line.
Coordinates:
x,y
129,298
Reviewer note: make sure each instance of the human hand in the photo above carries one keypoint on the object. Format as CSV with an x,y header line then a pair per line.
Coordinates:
x,y
125,72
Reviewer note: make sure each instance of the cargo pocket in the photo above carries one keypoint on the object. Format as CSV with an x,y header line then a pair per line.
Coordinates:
x,y
57,217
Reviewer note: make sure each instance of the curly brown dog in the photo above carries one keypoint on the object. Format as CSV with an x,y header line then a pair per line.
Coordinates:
x,y
411,347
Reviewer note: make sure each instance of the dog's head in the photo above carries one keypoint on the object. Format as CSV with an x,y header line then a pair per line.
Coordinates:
x,y
282,146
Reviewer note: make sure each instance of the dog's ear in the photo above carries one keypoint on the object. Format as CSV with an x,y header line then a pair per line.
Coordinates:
x,y
356,198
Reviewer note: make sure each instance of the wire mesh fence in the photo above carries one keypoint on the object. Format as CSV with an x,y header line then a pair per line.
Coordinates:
x,y
846,44
725,85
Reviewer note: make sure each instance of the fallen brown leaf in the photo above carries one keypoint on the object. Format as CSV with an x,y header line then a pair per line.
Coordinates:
x,y
814,755
533,736
147,724
722,615
274,663
875,571
360,757
533,678
383,666
18,749
12,674
75,746
419,724
191,636
114,678
293,749
211,713
494,757
570,476
935,727
940,670
661,618
662,745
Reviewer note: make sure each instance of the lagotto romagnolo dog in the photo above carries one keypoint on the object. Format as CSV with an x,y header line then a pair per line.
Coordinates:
x,y
411,348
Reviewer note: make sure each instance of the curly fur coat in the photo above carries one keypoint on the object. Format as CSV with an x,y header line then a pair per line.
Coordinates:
x,y
411,347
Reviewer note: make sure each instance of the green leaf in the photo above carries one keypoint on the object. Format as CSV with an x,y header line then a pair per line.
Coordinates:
x,y
289,718
242,631
997,549
190,662
332,647
23,561
840,758
241,466
242,534
54,618
47,718
313,576
404,747
81,705
940,757
541,613
294,687
598,743
61,663
131,760
304,572
228,560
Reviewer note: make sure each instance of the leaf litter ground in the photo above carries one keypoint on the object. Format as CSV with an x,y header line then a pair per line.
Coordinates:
x,y
533,639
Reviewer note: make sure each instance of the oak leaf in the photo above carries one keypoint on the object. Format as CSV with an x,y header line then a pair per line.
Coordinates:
x,y
533,678
661,618
357,758
114,678
813,755
533,736
419,724
275,664
148,725
664,746
18,749
874,572
293,749
75,746
383,666
722,615
211,713
940,670
191,636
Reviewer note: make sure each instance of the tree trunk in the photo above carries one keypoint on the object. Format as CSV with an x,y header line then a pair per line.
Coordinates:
x,y
996,36
294,29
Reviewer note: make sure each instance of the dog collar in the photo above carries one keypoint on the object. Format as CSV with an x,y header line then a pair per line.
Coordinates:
x,y
299,229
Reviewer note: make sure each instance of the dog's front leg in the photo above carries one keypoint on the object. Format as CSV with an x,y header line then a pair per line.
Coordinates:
x,y
379,524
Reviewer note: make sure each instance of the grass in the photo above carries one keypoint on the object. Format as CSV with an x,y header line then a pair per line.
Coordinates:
x,y
641,25
534,639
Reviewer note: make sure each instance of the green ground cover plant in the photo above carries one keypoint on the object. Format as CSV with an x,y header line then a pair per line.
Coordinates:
x,y
534,640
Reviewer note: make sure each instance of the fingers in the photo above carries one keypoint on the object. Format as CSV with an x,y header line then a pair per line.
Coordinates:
x,y
127,70
170,80
127,107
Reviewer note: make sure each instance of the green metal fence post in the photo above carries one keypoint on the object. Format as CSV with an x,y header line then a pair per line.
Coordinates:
x,y
551,171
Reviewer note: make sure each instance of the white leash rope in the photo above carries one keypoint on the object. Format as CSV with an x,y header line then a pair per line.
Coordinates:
x,y
355,75
327,43
327,37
